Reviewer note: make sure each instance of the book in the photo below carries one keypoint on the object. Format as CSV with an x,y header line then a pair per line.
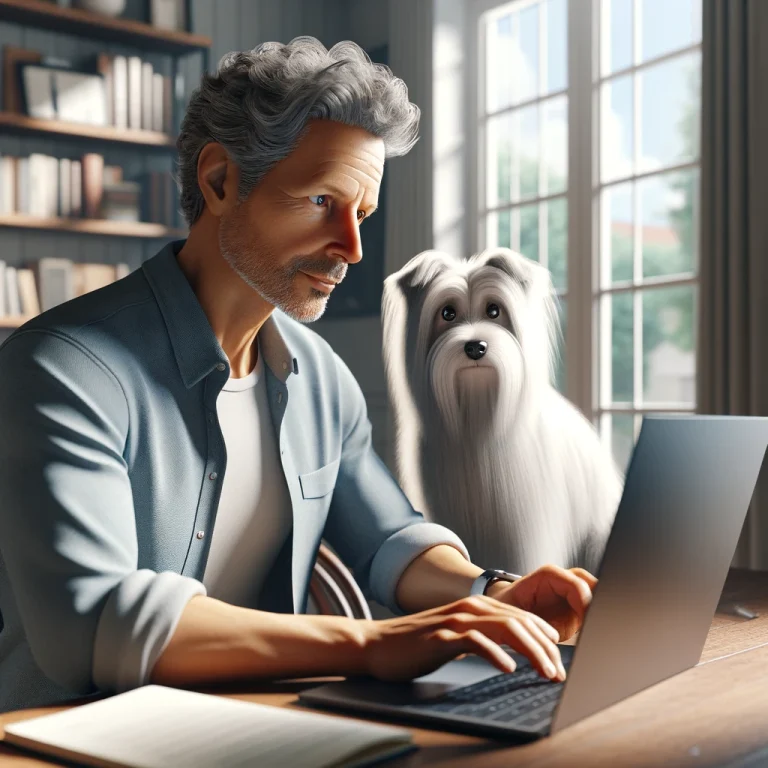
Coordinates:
x,y
12,298
55,280
12,58
134,92
29,301
157,726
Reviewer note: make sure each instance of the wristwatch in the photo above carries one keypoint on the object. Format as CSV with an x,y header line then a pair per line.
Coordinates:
x,y
486,578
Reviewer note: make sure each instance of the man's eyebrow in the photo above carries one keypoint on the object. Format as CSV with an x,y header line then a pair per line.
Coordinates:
x,y
332,186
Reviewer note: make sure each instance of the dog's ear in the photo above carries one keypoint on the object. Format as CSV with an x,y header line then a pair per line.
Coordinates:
x,y
536,281
400,310
511,263
402,293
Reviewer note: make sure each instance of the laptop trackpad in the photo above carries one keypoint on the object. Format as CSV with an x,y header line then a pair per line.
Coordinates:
x,y
455,674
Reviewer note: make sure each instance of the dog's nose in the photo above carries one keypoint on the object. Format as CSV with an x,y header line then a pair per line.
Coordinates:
x,y
476,349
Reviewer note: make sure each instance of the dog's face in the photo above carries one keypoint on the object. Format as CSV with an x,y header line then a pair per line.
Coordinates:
x,y
475,335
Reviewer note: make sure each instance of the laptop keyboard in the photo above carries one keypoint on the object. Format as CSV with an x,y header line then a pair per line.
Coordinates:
x,y
521,698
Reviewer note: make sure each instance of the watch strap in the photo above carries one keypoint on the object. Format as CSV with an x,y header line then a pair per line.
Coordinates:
x,y
486,578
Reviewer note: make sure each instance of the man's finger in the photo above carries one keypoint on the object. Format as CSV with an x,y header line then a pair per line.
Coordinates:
x,y
586,575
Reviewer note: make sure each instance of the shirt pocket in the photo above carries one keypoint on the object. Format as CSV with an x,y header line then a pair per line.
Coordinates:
x,y
321,482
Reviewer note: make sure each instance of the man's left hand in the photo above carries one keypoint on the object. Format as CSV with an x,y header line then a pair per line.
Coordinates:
x,y
557,595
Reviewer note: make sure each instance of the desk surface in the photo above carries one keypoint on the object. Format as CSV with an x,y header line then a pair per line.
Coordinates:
x,y
711,715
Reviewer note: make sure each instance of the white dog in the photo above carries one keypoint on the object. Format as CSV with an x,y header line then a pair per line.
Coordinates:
x,y
485,444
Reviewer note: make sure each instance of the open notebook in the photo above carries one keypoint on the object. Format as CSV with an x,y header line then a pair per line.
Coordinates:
x,y
159,727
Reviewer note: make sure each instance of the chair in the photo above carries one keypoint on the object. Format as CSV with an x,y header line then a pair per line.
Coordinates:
x,y
333,588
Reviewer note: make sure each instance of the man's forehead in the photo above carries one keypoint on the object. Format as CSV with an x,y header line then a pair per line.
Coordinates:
x,y
338,144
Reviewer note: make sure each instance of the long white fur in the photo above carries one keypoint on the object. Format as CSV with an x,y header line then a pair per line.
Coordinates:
x,y
490,449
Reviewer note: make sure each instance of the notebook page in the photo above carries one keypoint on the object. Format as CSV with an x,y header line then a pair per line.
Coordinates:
x,y
158,727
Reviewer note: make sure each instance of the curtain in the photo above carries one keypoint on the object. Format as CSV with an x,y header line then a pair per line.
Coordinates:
x,y
732,342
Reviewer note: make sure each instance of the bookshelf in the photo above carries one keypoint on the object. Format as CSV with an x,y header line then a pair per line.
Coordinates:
x,y
21,124
123,33
47,15
91,226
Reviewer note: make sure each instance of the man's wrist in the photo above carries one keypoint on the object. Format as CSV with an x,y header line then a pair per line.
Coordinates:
x,y
439,576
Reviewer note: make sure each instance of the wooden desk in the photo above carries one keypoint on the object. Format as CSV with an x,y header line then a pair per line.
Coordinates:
x,y
715,714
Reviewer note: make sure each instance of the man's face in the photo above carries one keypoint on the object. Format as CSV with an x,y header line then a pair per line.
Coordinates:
x,y
293,237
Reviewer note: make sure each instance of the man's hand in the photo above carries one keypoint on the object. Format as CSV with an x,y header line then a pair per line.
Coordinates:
x,y
559,596
407,647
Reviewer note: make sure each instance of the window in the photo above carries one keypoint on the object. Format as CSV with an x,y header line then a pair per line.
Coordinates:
x,y
633,79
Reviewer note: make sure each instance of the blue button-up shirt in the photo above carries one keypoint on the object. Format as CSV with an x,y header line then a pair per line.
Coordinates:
x,y
111,467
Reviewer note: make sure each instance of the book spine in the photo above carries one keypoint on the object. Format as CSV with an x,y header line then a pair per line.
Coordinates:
x,y
76,188
120,91
134,92
12,288
93,184
104,65
146,96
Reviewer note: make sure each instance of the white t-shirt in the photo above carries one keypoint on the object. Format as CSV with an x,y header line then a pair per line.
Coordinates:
x,y
254,516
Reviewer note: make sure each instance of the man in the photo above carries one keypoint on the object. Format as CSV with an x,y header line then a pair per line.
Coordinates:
x,y
174,446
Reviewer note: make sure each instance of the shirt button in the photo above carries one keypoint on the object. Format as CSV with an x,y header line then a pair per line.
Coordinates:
x,y
200,534
285,366
213,476
221,366
279,397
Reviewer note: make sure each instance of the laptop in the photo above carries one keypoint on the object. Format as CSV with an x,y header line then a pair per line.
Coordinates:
x,y
686,494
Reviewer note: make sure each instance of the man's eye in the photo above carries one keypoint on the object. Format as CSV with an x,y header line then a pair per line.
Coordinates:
x,y
318,199
360,215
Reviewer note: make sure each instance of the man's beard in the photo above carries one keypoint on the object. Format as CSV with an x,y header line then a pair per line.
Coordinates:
x,y
255,263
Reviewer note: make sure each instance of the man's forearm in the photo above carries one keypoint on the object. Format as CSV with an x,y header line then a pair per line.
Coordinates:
x,y
215,641
438,576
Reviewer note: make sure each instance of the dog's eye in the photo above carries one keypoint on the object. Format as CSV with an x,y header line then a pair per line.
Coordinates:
x,y
492,310
449,313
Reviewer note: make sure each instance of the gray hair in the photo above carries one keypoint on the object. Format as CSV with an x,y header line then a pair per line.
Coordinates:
x,y
258,103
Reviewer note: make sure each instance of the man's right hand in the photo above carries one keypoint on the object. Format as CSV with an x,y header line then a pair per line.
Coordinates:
x,y
214,642
407,647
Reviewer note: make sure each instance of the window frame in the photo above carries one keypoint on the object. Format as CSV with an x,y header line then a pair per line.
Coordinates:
x,y
586,355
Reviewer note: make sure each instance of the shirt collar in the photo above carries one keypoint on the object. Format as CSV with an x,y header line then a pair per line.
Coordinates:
x,y
195,346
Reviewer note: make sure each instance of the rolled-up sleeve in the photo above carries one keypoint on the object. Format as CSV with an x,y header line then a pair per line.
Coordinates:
x,y
371,523
67,525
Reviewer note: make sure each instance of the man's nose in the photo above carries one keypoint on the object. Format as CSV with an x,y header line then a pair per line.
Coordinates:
x,y
347,243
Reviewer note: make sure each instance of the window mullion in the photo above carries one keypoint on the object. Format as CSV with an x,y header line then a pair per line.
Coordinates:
x,y
580,378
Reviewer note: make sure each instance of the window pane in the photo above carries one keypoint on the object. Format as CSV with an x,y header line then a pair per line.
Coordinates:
x,y
622,438
560,363
513,156
622,355
670,109
512,58
499,147
616,35
499,230
557,45
528,150
617,132
668,26
500,75
529,231
525,62
555,145
618,232
557,242
669,358
668,214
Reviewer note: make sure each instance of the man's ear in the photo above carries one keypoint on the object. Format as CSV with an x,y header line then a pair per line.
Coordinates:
x,y
217,177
